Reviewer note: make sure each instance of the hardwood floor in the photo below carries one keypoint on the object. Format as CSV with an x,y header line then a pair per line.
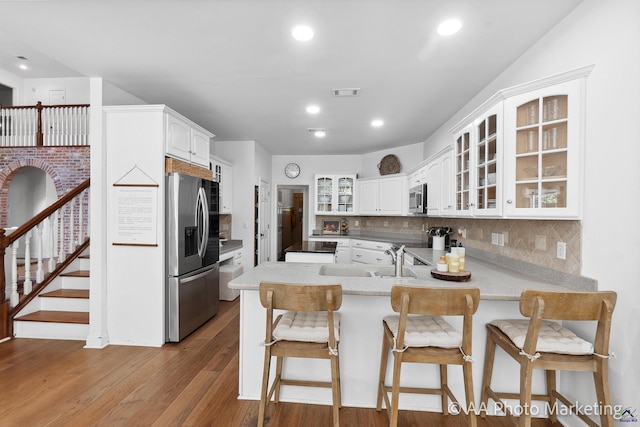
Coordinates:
x,y
191,383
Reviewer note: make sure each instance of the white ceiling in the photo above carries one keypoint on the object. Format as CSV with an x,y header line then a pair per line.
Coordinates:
x,y
232,66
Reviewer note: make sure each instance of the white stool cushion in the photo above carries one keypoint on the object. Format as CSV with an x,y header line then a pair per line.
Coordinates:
x,y
426,331
553,337
306,326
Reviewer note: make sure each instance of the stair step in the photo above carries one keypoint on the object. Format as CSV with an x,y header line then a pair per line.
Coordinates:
x,y
56,316
67,293
79,273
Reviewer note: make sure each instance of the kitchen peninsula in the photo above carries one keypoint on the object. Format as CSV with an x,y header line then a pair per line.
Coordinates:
x,y
366,290
308,251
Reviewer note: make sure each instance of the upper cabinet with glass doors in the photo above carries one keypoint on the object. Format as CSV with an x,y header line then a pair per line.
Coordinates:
x,y
478,157
335,194
487,161
544,152
462,164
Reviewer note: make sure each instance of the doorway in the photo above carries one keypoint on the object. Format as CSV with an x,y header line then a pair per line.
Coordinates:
x,y
30,191
6,96
262,223
291,222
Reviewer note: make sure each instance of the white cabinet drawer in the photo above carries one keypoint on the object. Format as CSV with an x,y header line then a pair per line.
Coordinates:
x,y
368,244
343,243
368,256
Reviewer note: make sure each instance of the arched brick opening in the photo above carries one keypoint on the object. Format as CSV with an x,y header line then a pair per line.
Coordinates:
x,y
10,171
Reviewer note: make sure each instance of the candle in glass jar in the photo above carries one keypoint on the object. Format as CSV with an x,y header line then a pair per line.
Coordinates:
x,y
454,267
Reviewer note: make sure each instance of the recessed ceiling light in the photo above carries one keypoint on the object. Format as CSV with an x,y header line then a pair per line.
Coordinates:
x,y
449,27
313,109
23,62
302,33
377,123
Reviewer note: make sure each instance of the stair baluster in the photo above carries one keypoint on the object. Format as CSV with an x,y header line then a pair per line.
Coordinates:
x,y
81,218
53,240
28,284
61,254
72,225
40,269
15,298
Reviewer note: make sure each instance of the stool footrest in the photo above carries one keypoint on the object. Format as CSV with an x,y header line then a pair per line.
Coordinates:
x,y
305,383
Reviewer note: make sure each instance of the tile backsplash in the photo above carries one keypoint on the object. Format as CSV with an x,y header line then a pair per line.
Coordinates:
x,y
533,241
224,222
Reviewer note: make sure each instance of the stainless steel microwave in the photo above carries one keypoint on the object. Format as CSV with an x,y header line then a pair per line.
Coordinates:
x,y
418,199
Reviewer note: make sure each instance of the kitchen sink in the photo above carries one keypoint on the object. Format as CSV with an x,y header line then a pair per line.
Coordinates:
x,y
391,272
343,271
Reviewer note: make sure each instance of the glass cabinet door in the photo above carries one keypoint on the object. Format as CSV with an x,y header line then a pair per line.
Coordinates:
x,y
544,150
463,168
345,194
487,163
541,153
324,194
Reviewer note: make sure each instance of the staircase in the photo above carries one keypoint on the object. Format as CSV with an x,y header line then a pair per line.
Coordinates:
x,y
61,310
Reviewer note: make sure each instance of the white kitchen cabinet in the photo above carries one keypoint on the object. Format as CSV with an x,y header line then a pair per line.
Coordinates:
x,y
335,194
447,195
544,130
521,154
370,252
439,177
417,177
462,170
223,175
383,196
478,165
343,251
487,163
185,140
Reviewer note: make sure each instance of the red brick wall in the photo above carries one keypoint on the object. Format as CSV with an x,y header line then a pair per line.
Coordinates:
x,y
67,166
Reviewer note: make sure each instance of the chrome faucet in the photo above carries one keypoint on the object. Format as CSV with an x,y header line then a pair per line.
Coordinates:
x,y
398,259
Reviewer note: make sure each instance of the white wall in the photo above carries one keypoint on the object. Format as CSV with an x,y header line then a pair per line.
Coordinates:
x,y
606,34
76,90
241,154
135,274
113,95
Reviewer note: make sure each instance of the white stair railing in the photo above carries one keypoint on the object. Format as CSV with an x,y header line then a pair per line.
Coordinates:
x,y
69,221
44,125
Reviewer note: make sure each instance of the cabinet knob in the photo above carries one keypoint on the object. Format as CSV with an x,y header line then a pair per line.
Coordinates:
x,y
509,201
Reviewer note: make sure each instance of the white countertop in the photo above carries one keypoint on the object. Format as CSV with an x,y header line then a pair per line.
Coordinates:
x,y
495,282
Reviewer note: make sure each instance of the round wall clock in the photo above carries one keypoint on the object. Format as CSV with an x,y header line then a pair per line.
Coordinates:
x,y
292,170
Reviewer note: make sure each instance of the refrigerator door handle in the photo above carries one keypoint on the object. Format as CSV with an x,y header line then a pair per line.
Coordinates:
x,y
196,276
203,211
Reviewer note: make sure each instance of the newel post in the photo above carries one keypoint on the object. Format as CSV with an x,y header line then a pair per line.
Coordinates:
x,y
39,134
4,304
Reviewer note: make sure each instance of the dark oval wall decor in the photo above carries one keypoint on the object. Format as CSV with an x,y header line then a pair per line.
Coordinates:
x,y
389,164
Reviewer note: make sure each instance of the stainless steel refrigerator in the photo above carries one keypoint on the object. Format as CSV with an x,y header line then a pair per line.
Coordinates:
x,y
192,248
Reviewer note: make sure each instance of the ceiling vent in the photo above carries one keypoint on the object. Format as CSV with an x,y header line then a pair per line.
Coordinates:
x,y
353,91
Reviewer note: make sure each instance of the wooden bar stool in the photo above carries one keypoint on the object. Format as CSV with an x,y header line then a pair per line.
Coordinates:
x,y
310,329
538,343
428,338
